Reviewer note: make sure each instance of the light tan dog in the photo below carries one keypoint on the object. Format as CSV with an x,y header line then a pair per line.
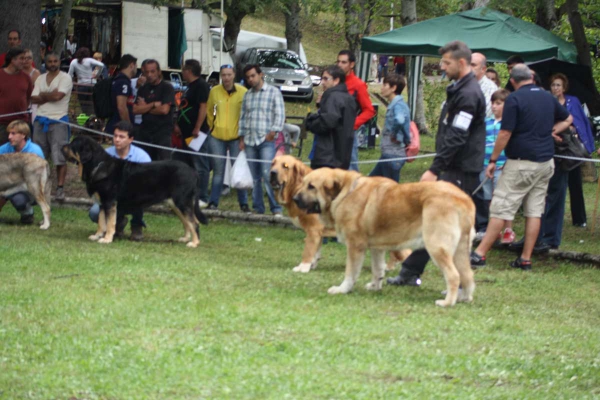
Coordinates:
x,y
26,172
380,214
286,177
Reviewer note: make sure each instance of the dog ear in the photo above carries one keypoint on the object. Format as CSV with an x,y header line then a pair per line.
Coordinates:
x,y
103,171
333,189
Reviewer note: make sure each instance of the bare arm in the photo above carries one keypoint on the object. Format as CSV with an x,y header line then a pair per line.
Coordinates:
x,y
160,109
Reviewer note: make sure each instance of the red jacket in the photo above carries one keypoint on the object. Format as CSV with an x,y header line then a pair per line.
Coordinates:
x,y
358,89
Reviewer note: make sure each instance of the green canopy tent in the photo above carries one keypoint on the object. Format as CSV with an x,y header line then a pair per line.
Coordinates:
x,y
484,30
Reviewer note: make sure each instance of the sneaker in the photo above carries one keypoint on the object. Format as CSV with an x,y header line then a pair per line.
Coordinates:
x,y
582,225
278,214
212,206
202,204
508,236
525,265
245,209
539,248
404,281
27,219
479,236
477,261
60,194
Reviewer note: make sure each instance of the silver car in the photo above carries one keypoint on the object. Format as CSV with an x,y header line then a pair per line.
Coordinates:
x,y
283,69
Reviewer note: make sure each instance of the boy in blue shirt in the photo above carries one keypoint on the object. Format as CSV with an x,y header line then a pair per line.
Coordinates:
x,y
492,127
19,142
396,131
124,149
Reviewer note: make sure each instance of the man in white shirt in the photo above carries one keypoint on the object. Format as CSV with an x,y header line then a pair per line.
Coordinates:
x,y
52,92
488,87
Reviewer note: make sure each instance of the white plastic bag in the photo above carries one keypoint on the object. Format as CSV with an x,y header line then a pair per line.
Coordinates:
x,y
227,177
241,177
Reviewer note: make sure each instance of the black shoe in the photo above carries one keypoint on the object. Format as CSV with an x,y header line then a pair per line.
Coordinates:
x,y
477,261
525,265
27,219
539,248
517,246
245,209
212,206
404,281
581,225
120,228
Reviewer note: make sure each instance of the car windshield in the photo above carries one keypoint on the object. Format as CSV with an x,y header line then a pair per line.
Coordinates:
x,y
279,59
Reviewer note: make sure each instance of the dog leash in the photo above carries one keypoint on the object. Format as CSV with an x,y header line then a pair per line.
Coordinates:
x,y
480,186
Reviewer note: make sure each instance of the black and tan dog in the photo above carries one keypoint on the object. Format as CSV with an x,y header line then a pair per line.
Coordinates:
x,y
134,185
26,172
378,214
286,177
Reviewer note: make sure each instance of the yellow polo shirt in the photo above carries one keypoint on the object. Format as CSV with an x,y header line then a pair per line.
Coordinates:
x,y
223,111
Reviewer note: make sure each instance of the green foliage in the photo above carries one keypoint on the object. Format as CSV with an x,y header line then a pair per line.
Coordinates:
x,y
434,94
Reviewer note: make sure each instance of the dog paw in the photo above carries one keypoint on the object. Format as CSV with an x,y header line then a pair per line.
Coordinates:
x,y
336,290
105,241
373,286
95,237
464,298
303,267
443,303
192,245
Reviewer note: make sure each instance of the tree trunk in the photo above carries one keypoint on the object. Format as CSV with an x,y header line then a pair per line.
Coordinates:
x,y
293,35
235,10
583,48
65,17
23,15
408,17
354,12
545,14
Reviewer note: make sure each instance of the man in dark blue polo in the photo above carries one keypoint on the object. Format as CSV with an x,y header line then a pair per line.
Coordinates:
x,y
122,97
531,120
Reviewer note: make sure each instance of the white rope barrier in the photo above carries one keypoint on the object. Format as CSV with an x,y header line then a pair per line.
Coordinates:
x,y
196,153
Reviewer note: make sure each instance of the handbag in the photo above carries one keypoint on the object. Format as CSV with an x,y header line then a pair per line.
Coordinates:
x,y
570,146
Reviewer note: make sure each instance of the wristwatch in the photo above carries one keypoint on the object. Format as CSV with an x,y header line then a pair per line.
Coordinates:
x,y
493,161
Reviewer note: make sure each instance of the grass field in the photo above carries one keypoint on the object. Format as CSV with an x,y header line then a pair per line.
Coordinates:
x,y
156,320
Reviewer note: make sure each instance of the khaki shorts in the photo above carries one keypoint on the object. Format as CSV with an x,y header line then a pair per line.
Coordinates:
x,y
52,141
523,182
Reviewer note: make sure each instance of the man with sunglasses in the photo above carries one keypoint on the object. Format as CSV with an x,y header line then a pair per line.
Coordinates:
x,y
224,109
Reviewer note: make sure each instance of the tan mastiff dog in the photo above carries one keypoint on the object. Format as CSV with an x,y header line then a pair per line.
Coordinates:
x,y
287,173
379,214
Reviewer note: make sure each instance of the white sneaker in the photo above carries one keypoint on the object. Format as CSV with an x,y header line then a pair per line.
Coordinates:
x,y
202,204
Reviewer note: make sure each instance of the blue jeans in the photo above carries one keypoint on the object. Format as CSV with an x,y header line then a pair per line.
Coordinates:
x,y
219,148
354,157
22,202
388,169
260,173
553,218
137,216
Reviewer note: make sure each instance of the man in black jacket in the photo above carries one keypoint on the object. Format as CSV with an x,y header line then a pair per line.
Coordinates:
x,y
333,124
460,142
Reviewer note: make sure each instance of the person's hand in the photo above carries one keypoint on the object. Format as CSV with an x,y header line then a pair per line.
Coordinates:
x,y
141,81
429,176
490,169
141,101
196,132
176,130
294,144
242,145
270,136
556,137
157,104
598,151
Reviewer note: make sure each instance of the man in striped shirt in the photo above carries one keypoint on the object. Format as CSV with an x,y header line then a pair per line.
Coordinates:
x,y
262,117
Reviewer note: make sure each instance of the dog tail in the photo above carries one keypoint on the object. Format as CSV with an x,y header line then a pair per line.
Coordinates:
x,y
199,214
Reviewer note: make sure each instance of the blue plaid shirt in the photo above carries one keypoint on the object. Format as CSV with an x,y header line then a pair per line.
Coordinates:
x,y
263,111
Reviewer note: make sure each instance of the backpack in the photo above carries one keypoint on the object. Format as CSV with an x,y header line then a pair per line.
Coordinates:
x,y
101,95
415,142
